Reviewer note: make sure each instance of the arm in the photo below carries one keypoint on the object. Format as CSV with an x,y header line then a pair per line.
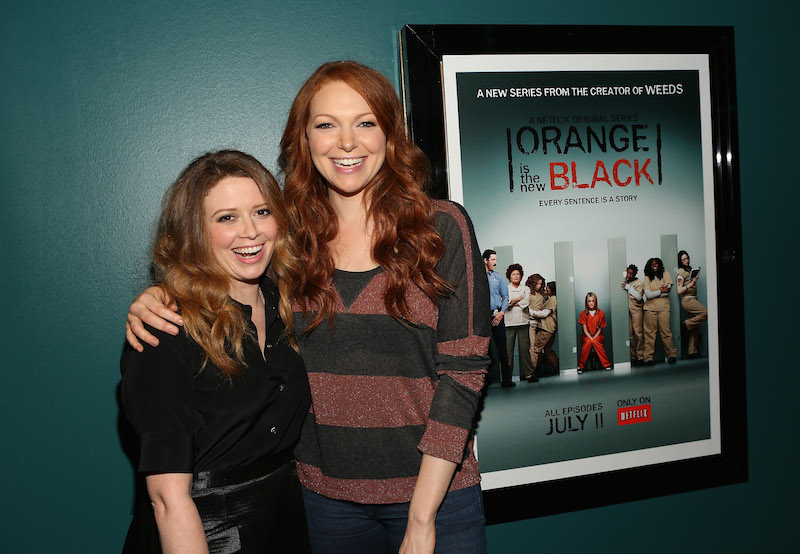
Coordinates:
x,y
635,294
667,285
504,295
156,394
524,300
541,314
586,332
432,484
155,308
461,360
179,526
651,293
679,281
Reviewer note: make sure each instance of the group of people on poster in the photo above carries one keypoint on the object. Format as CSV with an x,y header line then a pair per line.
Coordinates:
x,y
527,315
524,314
649,309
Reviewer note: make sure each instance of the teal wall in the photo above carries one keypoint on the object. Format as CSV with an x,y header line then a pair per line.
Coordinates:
x,y
101,105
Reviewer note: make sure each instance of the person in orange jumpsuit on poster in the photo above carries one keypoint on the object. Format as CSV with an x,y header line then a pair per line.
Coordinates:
x,y
593,320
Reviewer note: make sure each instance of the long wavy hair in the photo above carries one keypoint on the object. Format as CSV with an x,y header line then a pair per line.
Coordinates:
x,y
531,284
405,241
185,266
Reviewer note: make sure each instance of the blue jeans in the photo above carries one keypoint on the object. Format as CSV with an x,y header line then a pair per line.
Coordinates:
x,y
342,527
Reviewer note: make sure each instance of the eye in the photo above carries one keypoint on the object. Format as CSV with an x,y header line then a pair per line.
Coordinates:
x,y
368,124
264,212
225,218
324,125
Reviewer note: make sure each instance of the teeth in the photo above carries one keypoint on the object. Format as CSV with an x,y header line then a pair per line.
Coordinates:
x,y
249,251
347,162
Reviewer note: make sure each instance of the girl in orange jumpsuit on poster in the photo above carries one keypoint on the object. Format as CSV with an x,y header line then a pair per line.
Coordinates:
x,y
593,320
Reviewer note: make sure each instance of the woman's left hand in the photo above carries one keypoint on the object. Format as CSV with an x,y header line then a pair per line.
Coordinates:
x,y
420,538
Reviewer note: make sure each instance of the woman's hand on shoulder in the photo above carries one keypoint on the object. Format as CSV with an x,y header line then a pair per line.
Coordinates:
x,y
155,308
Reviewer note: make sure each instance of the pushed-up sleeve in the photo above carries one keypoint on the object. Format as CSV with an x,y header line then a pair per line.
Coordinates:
x,y
649,291
157,393
462,338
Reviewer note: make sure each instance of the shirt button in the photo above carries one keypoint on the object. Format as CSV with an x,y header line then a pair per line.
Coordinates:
x,y
269,345
280,388
274,431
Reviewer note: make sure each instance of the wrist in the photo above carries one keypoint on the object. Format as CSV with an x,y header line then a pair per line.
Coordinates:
x,y
417,516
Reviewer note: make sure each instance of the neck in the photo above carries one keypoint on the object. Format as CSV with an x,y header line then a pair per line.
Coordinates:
x,y
244,293
348,208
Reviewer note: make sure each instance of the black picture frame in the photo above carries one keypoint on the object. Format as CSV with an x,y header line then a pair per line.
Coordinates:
x,y
422,49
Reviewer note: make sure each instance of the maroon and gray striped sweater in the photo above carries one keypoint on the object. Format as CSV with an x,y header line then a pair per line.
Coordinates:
x,y
384,393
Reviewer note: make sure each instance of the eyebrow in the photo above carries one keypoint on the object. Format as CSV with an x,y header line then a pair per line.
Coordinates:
x,y
334,117
257,207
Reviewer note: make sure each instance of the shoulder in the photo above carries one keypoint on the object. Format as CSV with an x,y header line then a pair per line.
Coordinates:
x,y
174,353
451,219
582,318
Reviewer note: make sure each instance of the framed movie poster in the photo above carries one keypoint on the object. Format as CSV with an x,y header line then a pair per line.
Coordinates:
x,y
600,163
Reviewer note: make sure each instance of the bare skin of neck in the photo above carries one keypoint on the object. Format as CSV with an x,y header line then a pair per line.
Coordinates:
x,y
352,247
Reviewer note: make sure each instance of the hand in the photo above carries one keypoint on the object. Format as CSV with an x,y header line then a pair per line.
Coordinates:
x,y
622,285
156,309
420,538
665,289
497,319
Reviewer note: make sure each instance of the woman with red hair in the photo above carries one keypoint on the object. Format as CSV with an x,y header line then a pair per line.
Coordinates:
x,y
390,316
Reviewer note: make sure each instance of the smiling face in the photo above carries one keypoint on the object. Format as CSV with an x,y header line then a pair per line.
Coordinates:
x,y
241,229
629,275
654,266
347,146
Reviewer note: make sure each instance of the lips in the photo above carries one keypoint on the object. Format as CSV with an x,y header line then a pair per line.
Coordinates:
x,y
348,163
248,253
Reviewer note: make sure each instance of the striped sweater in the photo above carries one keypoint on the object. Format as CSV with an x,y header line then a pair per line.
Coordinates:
x,y
384,393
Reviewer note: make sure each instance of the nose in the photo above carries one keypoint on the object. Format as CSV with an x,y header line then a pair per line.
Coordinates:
x,y
249,228
347,140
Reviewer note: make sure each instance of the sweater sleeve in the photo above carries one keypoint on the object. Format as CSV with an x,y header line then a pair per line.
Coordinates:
x,y
462,338
157,396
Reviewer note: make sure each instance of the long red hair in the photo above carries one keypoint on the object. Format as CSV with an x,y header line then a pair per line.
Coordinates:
x,y
405,241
